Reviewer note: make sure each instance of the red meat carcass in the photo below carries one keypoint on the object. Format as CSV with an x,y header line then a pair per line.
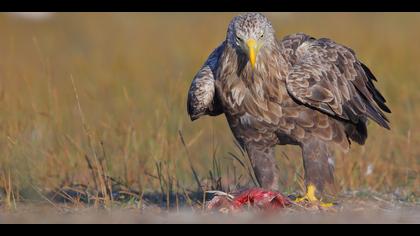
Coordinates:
x,y
254,198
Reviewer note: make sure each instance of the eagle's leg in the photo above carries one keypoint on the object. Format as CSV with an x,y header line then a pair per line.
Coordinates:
x,y
263,163
319,170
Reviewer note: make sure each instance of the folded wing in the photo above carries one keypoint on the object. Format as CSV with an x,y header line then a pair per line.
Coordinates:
x,y
201,96
328,77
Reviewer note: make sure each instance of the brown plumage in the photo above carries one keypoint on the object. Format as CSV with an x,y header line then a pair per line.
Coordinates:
x,y
300,91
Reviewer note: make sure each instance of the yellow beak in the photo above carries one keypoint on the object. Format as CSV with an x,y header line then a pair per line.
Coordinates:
x,y
252,51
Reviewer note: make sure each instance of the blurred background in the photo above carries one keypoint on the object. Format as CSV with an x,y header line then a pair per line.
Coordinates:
x,y
97,102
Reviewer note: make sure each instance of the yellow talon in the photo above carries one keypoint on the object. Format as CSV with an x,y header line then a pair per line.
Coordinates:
x,y
326,205
311,197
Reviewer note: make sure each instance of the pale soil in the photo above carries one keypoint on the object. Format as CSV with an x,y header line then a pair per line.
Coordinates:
x,y
352,211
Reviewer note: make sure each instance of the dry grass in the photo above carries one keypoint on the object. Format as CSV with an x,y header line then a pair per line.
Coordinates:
x,y
95,103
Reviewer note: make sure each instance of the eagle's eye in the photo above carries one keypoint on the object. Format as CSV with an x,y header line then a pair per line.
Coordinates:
x,y
238,38
262,35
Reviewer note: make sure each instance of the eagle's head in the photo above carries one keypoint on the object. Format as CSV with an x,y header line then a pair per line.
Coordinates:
x,y
250,33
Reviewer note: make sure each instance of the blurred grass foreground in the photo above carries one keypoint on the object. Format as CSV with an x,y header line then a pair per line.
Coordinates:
x,y
93,104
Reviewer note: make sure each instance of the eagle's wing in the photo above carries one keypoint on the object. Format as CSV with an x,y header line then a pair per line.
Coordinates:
x,y
201,96
328,77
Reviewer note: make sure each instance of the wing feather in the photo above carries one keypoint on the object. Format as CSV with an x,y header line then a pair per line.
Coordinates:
x,y
328,77
202,99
